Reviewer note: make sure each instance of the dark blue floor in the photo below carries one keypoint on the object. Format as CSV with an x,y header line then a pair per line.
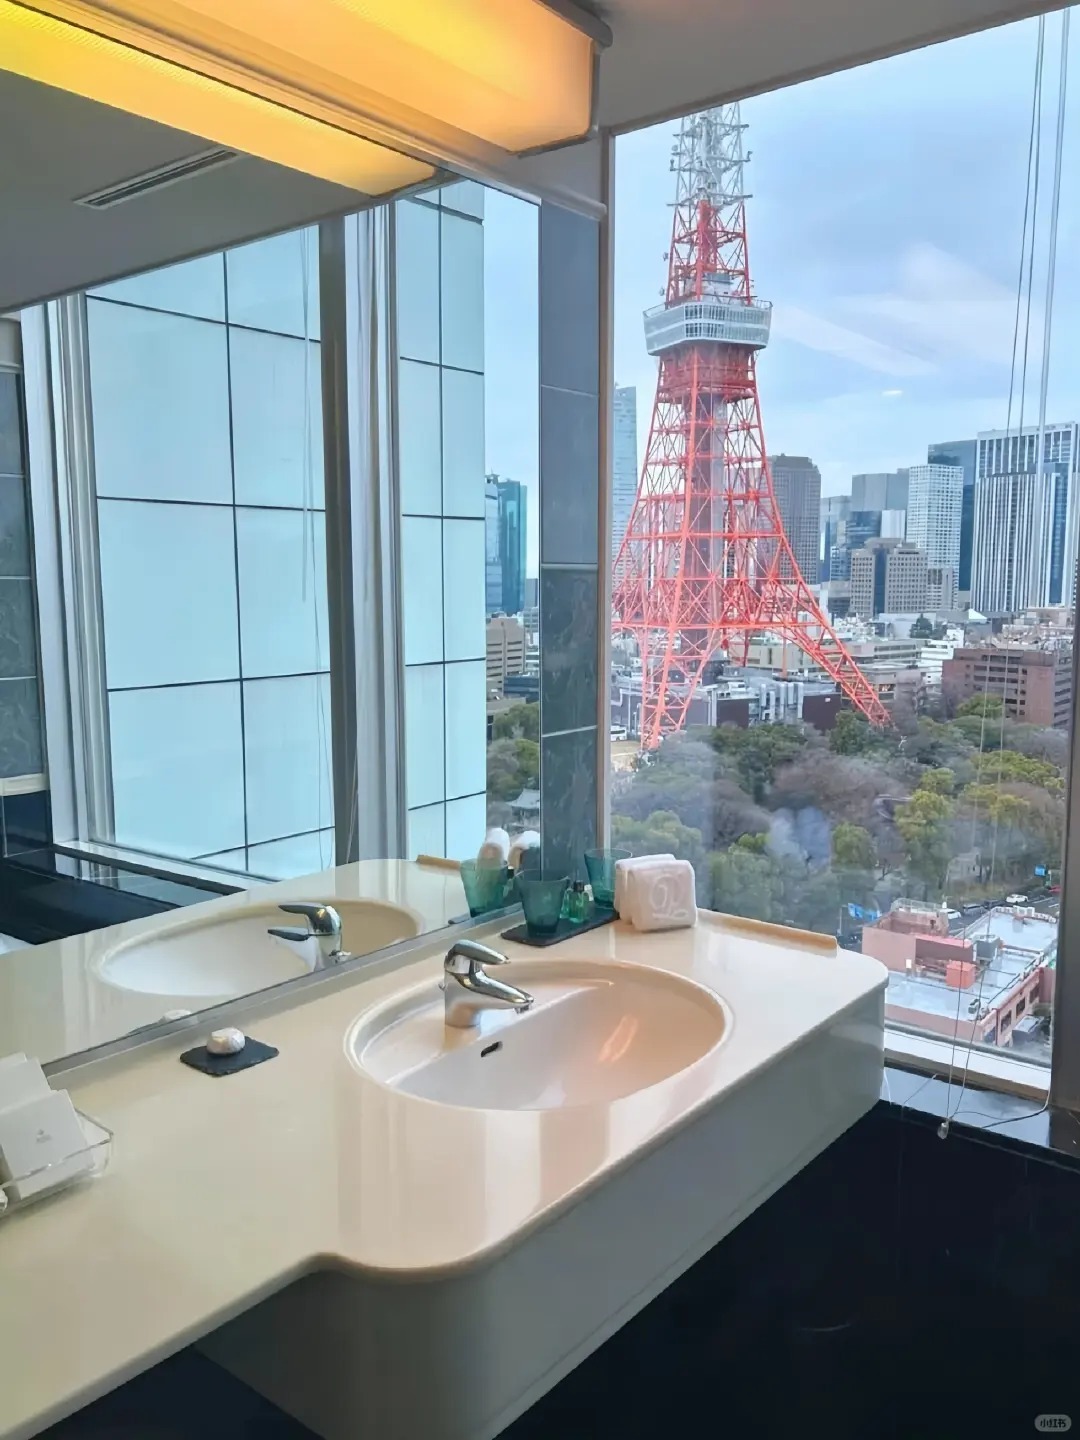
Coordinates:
x,y
183,1398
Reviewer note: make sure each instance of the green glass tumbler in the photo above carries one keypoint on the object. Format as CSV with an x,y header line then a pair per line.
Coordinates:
x,y
601,867
486,886
542,901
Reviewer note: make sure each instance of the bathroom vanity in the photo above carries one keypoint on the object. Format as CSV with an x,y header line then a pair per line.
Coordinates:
x,y
387,1231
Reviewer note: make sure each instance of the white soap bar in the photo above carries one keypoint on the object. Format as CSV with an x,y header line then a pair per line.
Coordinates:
x,y
662,895
229,1041
43,1132
622,869
21,1080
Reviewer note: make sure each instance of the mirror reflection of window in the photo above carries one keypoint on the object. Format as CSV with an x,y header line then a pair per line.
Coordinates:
x,y
467,343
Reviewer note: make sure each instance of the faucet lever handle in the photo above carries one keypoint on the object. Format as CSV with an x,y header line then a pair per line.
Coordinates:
x,y
295,933
324,919
469,956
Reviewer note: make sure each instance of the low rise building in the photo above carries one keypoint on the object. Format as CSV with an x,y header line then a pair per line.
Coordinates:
x,y
505,650
1034,685
979,986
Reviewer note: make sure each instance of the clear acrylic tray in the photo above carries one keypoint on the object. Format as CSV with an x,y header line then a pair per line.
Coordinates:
x,y
83,1164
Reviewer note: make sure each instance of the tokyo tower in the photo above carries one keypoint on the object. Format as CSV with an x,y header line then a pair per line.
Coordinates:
x,y
705,566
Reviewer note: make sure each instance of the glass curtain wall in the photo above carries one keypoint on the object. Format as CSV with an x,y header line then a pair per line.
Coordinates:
x,y
207,461
468,457
439,294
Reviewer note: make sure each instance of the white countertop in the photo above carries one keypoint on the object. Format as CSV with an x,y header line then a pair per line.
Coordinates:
x,y
222,1191
53,1002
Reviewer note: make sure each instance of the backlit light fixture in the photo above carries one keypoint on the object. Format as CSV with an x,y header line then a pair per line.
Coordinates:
x,y
330,87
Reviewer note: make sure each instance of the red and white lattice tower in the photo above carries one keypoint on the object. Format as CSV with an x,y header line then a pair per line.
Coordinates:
x,y
705,566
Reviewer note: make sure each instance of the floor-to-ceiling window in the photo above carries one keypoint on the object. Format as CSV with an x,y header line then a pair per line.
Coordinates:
x,y
916,809
205,390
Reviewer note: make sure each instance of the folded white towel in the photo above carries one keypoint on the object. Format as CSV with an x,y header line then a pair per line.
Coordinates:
x,y
623,868
526,841
661,896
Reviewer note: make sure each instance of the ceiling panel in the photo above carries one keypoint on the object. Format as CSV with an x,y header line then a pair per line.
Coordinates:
x,y
68,147
672,56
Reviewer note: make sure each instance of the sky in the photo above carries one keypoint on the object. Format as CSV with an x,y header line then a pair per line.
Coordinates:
x,y
884,225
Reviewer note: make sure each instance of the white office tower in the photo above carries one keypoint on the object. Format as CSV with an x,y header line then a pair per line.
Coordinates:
x,y
1012,452
1013,542
935,502
624,466
894,525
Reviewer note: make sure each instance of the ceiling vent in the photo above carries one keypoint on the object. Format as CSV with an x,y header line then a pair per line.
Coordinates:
x,y
157,179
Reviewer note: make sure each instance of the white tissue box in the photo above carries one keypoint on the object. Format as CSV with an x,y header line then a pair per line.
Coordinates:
x,y
661,894
42,1145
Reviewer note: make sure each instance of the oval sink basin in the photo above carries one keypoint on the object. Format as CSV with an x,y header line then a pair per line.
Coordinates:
x,y
218,957
595,1034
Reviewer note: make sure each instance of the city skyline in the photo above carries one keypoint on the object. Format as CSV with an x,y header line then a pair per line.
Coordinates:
x,y
893,315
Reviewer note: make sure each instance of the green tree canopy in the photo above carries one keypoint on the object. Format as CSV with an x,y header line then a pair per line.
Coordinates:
x,y
520,720
742,883
986,707
755,754
512,766
663,831
1009,766
924,823
852,847
851,735
938,782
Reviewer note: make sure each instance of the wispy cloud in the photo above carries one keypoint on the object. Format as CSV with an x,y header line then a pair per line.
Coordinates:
x,y
791,322
940,311
941,308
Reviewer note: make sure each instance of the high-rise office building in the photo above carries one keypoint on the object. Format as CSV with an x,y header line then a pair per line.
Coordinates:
x,y
883,490
888,577
1000,452
492,560
835,510
962,453
940,588
1012,553
935,500
853,533
505,545
624,466
797,486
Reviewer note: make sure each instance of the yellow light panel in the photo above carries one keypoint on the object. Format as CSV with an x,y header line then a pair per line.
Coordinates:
x,y
41,48
511,73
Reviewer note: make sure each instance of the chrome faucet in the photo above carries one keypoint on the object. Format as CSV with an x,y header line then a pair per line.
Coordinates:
x,y
468,988
324,925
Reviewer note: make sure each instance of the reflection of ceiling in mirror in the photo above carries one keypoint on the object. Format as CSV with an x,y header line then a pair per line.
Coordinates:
x,y
444,77
47,50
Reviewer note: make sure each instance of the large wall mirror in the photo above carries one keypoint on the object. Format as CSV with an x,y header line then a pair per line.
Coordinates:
x,y
171,751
